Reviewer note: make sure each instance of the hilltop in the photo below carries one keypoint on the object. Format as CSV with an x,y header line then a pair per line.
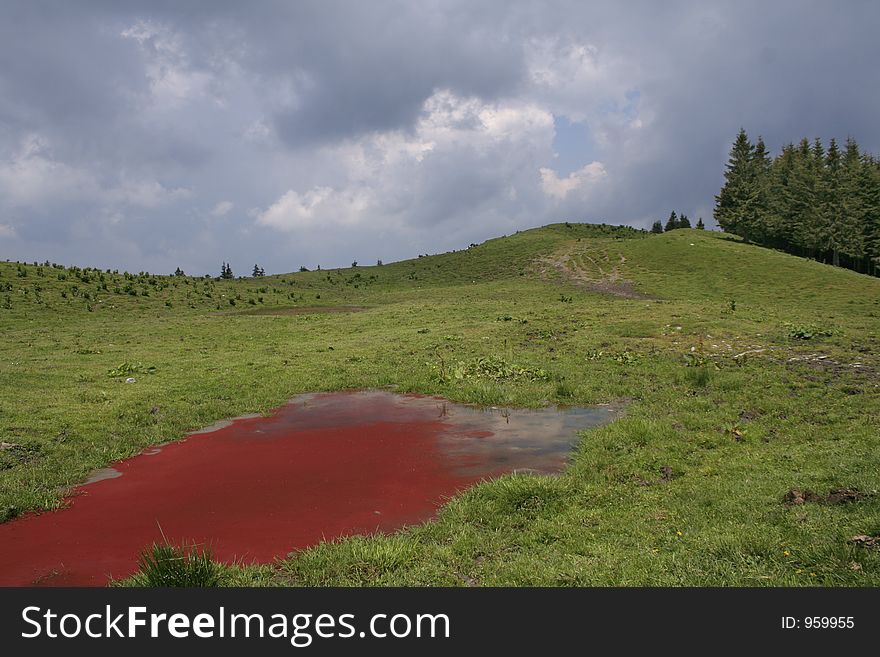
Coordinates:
x,y
747,372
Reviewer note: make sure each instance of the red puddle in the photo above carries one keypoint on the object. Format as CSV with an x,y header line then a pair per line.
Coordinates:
x,y
321,467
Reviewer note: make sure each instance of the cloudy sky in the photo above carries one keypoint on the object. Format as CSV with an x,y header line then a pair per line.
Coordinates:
x,y
151,135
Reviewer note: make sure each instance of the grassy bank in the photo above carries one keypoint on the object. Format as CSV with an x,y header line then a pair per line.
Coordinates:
x,y
749,373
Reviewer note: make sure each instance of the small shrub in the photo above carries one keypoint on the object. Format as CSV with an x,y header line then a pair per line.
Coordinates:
x,y
626,357
806,331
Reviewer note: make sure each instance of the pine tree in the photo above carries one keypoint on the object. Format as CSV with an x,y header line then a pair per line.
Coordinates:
x,y
820,226
762,166
657,227
869,190
831,206
256,272
819,203
700,224
684,222
781,223
804,200
734,205
226,271
672,222
850,231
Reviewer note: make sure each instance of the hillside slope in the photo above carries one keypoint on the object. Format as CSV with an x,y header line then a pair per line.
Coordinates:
x,y
748,373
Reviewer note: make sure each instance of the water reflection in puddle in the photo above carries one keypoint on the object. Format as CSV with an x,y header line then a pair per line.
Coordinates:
x,y
322,466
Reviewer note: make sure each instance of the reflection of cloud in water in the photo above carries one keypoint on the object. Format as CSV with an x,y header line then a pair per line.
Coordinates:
x,y
478,441
515,439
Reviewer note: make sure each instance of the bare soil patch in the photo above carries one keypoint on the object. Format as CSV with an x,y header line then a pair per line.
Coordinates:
x,y
606,279
796,496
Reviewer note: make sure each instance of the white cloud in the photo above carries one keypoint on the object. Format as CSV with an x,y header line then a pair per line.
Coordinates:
x,y
319,206
257,131
172,78
588,84
447,123
557,64
7,231
582,179
222,208
33,177
145,193
397,178
448,118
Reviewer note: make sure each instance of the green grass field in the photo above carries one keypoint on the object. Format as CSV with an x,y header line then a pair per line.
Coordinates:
x,y
748,372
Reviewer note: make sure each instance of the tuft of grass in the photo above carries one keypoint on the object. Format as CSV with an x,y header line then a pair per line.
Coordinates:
x,y
166,565
698,377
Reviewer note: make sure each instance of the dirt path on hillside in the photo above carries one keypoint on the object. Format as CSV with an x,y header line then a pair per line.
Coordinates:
x,y
603,274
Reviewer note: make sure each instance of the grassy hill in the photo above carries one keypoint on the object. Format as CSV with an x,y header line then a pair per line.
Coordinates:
x,y
749,373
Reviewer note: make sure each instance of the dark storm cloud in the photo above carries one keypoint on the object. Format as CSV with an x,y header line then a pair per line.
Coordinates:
x,y
783,70
356,67
157,134
368,67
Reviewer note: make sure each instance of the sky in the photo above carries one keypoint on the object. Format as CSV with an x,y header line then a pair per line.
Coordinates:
x,y
153,135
